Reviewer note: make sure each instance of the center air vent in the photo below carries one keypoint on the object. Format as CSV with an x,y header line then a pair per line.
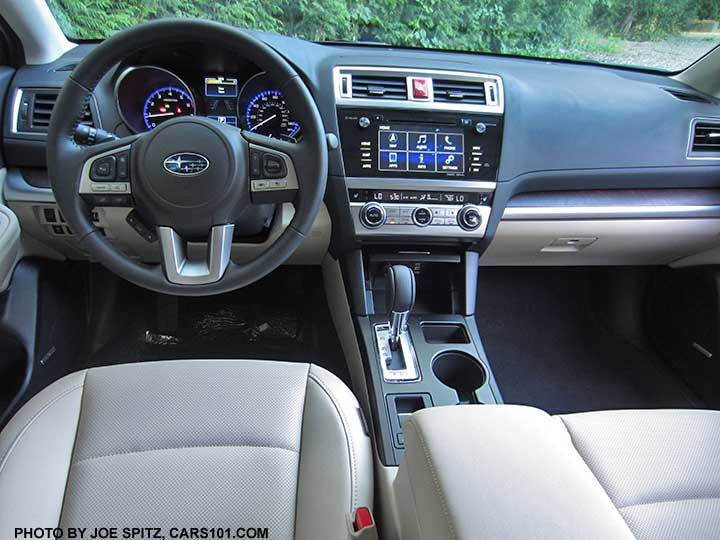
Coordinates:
x,y
705,139
460,92
418,89
35,109
379,87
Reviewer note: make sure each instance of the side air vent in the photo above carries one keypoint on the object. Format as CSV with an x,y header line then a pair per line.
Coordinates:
x,y
41,109
705,139
379,87
35,108
687,96
460,92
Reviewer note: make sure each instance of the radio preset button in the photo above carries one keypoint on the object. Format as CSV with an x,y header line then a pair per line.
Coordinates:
x,y
422,217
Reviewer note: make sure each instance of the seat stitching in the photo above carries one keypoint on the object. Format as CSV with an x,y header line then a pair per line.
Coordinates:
x,y
348,438
443,502
37,415
190,447
670,501
592,472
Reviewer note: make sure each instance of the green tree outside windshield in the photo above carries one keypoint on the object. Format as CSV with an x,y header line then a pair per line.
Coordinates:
x,y
550,28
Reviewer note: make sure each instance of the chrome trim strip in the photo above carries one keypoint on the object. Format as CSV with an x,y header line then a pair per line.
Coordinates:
x,y
179,269
498,108
419,184
17,101
688,153
518,213
411,373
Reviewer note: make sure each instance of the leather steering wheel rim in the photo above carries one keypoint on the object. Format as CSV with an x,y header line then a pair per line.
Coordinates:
x,y
66,158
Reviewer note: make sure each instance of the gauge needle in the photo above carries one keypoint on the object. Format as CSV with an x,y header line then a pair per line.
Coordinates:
x,y
263,122
160,114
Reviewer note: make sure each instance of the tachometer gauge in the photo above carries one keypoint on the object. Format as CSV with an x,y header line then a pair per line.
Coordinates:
x,y
167,103
262,109
267,114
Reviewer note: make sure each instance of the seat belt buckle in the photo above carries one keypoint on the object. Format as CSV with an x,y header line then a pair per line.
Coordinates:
x,y
361,525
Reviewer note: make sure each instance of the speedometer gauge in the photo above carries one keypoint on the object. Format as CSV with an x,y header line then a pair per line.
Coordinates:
x,y
167,103
262,109
267,114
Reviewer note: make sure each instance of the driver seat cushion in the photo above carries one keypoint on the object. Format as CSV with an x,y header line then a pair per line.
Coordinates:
x,y
196,443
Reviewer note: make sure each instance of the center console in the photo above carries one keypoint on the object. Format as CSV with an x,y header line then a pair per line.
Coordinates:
x,y
421,151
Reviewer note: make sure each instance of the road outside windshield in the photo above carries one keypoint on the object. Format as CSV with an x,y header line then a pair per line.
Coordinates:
x,y
657,34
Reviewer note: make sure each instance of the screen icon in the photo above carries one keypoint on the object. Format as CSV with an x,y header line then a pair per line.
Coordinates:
x,y
421,142
393,140
421,161
393,161
450,142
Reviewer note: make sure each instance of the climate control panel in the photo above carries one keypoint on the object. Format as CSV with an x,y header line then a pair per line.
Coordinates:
x,y
435,214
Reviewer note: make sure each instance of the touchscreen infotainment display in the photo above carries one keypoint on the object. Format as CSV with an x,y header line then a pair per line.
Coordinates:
x,y
419,145
439,151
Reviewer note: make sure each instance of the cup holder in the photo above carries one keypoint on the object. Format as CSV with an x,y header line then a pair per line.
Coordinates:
x,y
461,372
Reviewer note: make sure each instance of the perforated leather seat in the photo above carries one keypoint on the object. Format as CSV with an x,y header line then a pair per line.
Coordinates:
x,y
201,443
513,472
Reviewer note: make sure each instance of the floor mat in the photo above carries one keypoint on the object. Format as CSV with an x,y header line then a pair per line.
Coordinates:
x,y
282,317
548,348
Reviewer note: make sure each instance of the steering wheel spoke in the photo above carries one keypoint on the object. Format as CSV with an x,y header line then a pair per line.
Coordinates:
x,y
273,174
181,270
105,178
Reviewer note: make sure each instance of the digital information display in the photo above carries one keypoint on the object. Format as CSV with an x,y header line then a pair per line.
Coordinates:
x,y
420,151
221,87
230,120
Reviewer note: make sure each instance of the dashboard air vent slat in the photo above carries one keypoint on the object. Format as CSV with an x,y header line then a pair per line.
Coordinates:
x,y
41,103
459,92
706,138
379,87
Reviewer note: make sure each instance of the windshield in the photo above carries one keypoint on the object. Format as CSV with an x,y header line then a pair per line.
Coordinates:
x,y
657,34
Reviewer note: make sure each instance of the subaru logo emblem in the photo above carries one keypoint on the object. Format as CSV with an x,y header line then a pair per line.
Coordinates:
x,y
186,164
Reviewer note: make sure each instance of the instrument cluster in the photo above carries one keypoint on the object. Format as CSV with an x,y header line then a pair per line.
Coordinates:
x,y
148,95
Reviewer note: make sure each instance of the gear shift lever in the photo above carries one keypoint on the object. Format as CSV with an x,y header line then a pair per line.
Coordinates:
x,y
399,300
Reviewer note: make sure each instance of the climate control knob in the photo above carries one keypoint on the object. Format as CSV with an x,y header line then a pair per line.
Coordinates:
x,y
372,215
469,217
422,216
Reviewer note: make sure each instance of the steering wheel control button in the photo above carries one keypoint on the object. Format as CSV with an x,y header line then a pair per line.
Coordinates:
x,y
372,215
422,217
273,166
469,218
103,169
255,164
123,166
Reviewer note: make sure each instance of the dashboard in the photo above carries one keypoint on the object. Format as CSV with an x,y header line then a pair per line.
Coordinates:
x,y
525,161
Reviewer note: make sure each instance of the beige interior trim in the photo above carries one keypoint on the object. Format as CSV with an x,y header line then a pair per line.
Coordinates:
x,y
704,75
600,242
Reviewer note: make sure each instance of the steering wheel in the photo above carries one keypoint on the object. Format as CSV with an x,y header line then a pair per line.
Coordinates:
x,y
190,178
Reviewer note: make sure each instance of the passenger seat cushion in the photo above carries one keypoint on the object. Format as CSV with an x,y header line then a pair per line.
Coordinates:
x,y
505,471
661,468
